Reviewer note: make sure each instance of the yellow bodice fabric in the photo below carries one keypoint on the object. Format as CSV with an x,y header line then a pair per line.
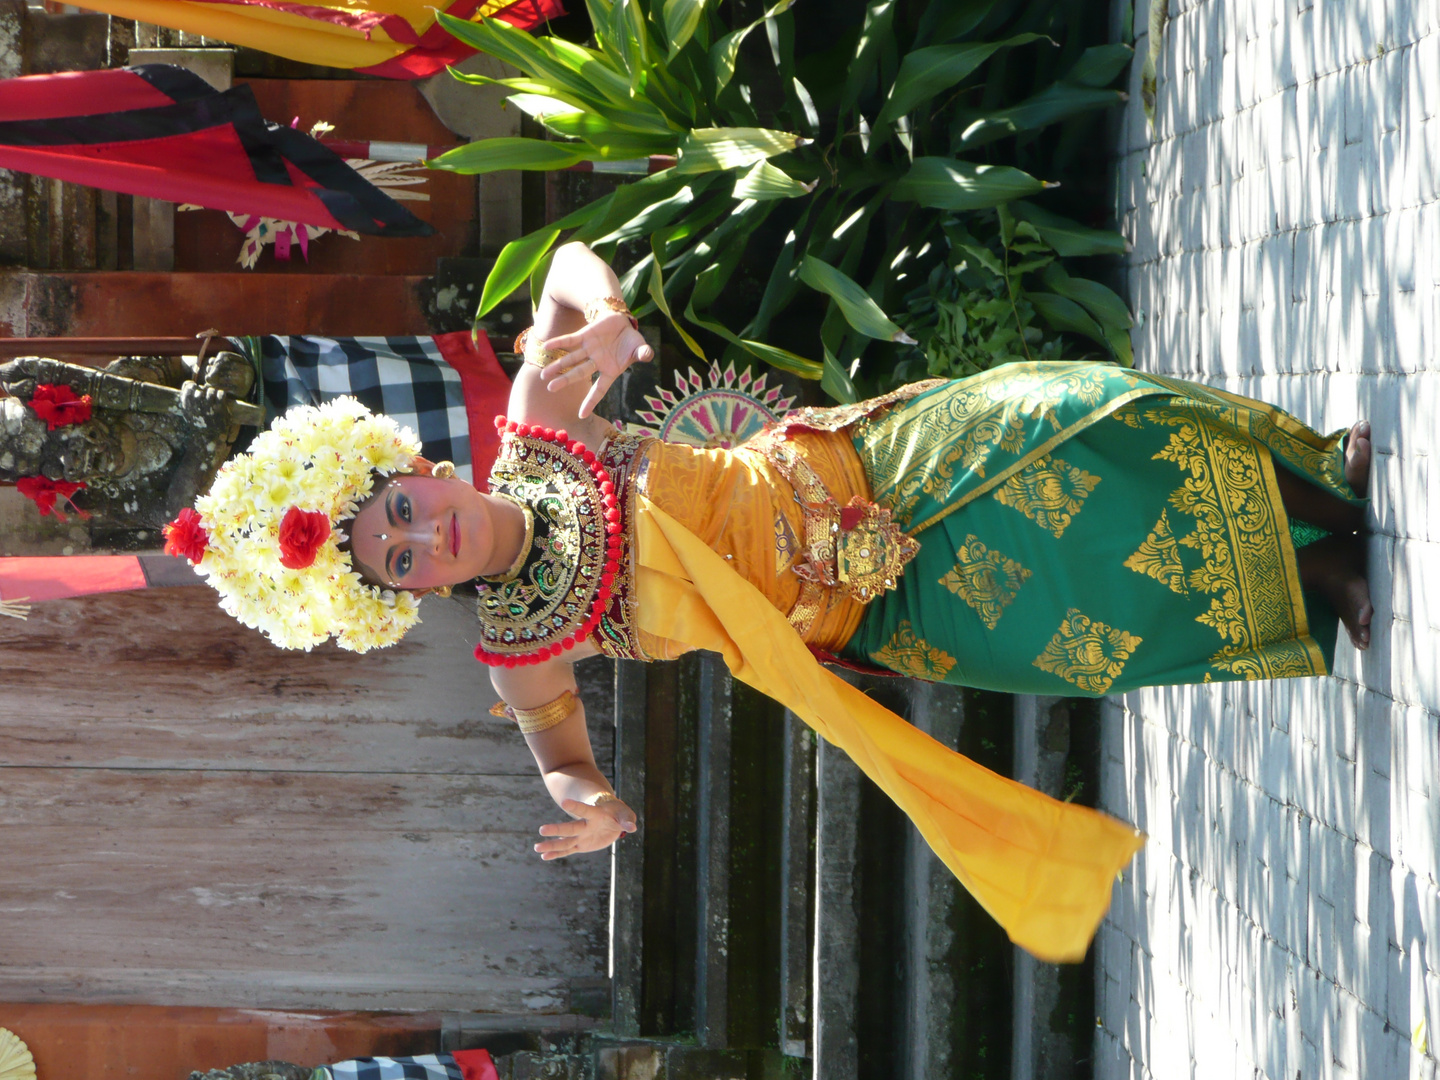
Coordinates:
x,y
741,505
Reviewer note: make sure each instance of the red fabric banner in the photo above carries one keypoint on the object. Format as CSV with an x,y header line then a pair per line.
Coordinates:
x,y
487,394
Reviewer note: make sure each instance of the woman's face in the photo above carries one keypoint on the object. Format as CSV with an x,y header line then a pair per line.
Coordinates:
x,y
420,532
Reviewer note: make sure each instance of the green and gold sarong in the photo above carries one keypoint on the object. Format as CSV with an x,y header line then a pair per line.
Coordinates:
x,y
1087,529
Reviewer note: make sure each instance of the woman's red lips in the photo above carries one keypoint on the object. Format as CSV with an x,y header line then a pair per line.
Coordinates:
x,y
454,535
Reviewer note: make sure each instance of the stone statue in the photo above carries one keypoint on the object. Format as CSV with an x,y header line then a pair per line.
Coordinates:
x,y
257,1070
154,438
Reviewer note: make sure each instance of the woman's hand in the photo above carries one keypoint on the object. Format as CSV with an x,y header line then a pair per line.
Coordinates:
x,y
595,827
605,347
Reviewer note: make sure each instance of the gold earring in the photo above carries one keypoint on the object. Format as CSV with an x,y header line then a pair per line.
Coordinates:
x,y
443,470
442,591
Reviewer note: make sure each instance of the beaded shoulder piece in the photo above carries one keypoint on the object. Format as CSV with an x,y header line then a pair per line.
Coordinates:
x,y
563,587
618,634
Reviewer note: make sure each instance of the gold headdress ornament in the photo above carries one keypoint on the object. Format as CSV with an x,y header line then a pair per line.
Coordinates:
x,y
265,534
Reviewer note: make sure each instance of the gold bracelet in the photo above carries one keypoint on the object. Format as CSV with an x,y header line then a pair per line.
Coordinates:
x,y
602,304
604,797
534,353
542,718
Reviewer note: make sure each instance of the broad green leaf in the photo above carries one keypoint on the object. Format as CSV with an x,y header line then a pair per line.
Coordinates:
x,y
930,71
836,381
518,49
764,181
542,107
610,141
948,184
807,106
1100,65
511,152
656,289
707,149
1070,238
591,66
771,354
1064,314
514,264
724,52
855,304
652,218
1119,342
681,17
877,32
946,20
1057,102
628,202
710,283
1102,303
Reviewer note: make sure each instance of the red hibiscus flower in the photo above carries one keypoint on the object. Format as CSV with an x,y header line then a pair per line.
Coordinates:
x,y
44,492
185,537
59,406
301,534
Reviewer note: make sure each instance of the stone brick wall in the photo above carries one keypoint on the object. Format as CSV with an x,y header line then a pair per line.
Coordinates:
x,y
1284,918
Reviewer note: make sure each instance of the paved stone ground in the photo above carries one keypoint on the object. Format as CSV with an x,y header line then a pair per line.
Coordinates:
x,y
1284,919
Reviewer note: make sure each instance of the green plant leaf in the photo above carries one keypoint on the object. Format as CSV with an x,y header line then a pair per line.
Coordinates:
x,y
625,203
651,218
764,181
1069,238
1064,314
783,359
1100,65
542,107
1057,102
1102,303
495,155
514,264
948,184
656,289
929,71
836,381
855,304
707,149
726,51
946,20
611,142
681,17
874,36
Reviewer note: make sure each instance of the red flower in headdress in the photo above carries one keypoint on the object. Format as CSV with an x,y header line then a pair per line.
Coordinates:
x,y
59,406
185,537
44,492
301,534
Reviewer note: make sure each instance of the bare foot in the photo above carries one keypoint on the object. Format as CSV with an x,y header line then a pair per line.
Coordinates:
x,y
1357,458
1336,566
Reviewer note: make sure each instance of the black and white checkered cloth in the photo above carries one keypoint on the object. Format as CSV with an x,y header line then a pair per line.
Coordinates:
x,y
403,377
428,1067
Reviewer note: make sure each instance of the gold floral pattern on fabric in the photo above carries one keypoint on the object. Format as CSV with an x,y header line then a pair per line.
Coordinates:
x,y
1129,416
1087,654
1159,557
1229,491
914,656
1004,414
1050,492
1319,456
986,580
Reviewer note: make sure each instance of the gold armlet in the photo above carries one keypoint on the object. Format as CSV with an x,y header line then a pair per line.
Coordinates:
x,y
604,797
534,353
538,719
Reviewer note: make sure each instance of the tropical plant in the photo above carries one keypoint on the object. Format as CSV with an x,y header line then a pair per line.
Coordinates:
x,y
841,187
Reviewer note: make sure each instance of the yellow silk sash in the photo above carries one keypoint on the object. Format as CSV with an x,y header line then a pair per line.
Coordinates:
x,y
1043,868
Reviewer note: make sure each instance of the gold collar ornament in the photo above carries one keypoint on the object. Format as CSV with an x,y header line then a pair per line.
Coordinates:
x,y
564,579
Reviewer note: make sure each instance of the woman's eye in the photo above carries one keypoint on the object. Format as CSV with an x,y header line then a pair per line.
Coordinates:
x,y
404,562
402,507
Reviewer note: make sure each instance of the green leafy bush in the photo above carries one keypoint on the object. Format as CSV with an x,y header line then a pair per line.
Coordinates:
x,y
846,190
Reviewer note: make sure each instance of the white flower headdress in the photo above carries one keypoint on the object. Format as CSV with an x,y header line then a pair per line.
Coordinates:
x,y
265,534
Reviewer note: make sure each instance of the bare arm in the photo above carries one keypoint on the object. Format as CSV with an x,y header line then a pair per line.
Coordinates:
x,y
566,761
562,395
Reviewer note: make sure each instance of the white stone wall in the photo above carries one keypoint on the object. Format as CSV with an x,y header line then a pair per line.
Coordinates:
x,y
1283,921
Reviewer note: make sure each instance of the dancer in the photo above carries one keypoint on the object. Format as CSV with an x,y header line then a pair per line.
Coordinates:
x,y
1054,528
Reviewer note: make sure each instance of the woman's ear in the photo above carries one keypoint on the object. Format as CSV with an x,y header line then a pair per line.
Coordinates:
x,y
421,466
